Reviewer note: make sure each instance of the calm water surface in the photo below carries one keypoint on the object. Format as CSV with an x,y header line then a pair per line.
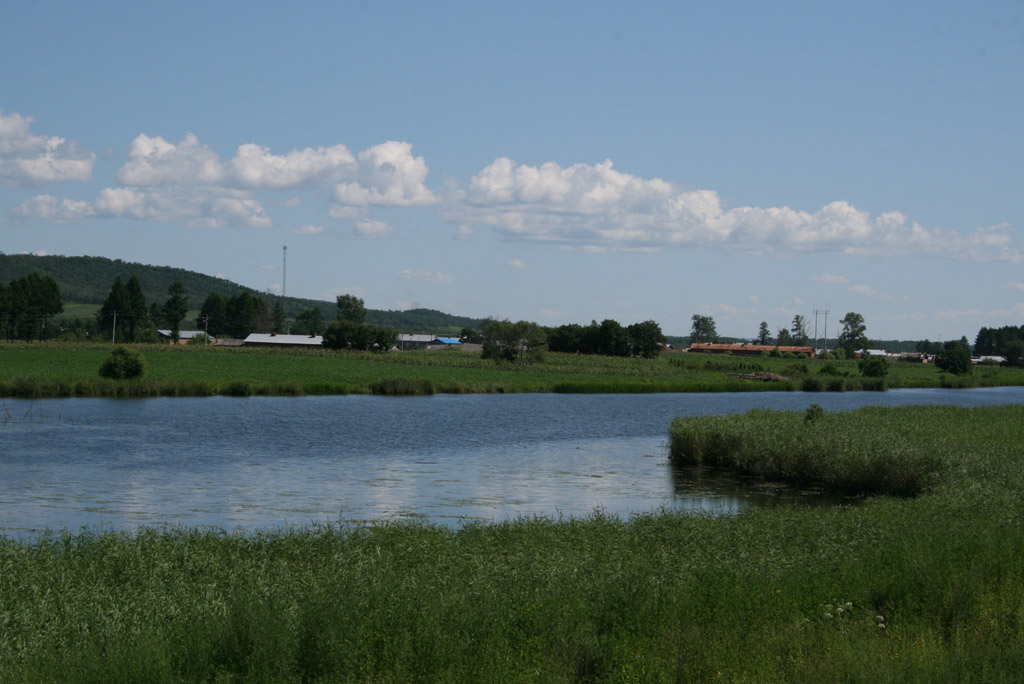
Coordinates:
x,y
254,463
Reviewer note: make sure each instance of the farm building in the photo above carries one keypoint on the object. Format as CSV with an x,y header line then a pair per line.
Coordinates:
x,y
748,349
274,340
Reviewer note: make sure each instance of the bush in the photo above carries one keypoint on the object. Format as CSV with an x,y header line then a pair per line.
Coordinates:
x,y
874,366
123,364
200,339
954,359
798,368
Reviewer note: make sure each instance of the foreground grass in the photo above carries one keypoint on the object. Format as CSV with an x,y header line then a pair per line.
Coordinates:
x,y
926,589
70,369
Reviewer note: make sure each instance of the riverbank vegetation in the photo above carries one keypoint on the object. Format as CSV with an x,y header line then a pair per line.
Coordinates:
x,y
56,369
892,589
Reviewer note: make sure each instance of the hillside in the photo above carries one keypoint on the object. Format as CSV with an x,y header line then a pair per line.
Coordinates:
x,y
86,280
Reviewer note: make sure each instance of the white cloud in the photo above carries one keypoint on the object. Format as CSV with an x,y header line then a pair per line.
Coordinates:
x,y
1015,286
829,278
597,206
388,175
516,263
426,276
30,159
308,229
255,167
372,229
49,208
464,233
38,252
863,290
156,162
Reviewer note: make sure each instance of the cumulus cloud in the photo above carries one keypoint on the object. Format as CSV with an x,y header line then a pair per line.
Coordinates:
x,y
373,229
516,263
49,208
308,229
387,175
598,206
426,276
1016,286
30,159
187,180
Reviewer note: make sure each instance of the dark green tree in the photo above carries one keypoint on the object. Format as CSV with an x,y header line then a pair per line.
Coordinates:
x,y
136,315
277,318
646,339
115,307
873,366
351,308
213,316
763,336
31,301
123,364
703,330
508,341
852,338
799,331
784,338
175,309
309,322
1014,353
342,334
614,340
471,336
954,359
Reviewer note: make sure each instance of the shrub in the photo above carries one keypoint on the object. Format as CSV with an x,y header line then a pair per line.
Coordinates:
x,y
954,359
812,384
874,366
123,364
798,368
829,368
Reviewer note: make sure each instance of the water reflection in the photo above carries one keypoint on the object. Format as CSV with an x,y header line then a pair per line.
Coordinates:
x,y
265,462
718,491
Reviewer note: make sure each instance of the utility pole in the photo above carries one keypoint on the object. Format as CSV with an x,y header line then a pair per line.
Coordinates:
x,y
819,312
113,328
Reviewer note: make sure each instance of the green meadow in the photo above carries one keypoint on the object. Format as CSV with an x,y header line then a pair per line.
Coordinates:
x,y
925,586
71,369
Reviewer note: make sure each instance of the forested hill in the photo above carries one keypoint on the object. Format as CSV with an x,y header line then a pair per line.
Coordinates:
x,y
87,280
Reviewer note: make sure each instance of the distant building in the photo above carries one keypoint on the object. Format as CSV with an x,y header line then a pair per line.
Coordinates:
x,y
183,335
274,340
749,349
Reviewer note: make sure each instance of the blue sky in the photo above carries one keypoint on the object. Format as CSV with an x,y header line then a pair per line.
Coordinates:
x,y
557,162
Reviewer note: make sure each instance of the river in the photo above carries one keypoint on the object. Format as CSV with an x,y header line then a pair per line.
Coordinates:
x,y
271,462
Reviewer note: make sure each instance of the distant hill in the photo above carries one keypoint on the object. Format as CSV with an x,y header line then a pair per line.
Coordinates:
x,y
87,280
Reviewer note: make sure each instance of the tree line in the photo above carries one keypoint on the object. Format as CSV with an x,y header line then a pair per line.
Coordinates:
x,y
26,306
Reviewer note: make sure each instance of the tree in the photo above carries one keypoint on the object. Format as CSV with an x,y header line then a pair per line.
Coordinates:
x,y
784,338
508,341
115,307
852,337
136,314
645,339
213,316
350,308
613,340
799,330
175,309
123,364
31,301
277,317
874,366
308,322
471,336
763,336
954,359
1014,353
703,329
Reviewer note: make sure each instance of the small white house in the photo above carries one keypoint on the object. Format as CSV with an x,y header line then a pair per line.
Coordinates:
x,y
275,340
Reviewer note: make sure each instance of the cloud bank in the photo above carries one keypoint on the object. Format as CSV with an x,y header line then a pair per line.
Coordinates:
x,y
595,207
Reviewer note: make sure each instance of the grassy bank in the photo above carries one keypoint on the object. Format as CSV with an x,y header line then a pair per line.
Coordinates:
x,y
68,369
894,589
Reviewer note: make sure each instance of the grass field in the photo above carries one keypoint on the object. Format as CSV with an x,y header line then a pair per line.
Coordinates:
x,y
67,369
927,588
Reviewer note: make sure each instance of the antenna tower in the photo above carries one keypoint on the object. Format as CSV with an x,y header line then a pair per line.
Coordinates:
x,y
284,271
